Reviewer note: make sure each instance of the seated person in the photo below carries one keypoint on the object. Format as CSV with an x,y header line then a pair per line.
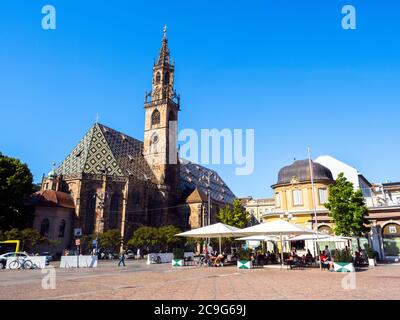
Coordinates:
x,y
219,260
212,256
309,257
272,257
261,259
326,262
323,261
290,259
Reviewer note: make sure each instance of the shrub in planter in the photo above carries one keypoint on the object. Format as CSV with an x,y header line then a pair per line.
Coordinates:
x,y
343,261
371,256
244,261
178,259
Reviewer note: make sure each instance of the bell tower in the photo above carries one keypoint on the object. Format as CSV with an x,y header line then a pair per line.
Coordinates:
x,y
162,105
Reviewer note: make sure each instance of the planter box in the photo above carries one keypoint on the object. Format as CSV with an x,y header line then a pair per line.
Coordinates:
x,y
177,262
371,263
344,267
244,264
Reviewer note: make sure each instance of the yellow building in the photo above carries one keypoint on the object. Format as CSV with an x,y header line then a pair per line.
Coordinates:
x,y
293,194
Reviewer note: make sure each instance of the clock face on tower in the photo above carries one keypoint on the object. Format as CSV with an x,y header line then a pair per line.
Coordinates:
x,y
154,139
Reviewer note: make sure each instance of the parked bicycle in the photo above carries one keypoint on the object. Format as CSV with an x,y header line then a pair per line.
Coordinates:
x,y
21,263
205,261
155,259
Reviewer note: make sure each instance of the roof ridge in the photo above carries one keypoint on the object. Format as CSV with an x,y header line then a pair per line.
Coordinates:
x,y
81,141
118,132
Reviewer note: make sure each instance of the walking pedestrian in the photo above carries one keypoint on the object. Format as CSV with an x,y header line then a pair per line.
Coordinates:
x,y
121,259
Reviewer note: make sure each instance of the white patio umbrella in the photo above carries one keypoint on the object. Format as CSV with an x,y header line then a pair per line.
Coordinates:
x,y
217,230
309,237
257,238
335,239
277,227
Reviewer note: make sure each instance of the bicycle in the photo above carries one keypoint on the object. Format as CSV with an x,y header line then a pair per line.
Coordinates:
x,y
205,261
155,259
21,263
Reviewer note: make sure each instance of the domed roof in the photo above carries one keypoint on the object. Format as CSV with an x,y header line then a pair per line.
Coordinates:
x,y
300,172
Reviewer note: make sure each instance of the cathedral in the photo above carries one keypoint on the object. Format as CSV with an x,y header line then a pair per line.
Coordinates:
x,y
113,181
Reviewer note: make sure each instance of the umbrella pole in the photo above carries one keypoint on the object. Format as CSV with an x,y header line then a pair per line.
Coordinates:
x,y
220,251
280,236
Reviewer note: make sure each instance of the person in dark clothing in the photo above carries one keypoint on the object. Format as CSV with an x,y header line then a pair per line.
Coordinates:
x,y
121,259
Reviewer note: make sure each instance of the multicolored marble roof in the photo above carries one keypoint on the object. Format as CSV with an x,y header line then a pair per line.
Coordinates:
x,y
196,176
105,150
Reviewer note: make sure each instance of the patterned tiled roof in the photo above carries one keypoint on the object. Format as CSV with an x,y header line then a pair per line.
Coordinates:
x,y
103,148
196,176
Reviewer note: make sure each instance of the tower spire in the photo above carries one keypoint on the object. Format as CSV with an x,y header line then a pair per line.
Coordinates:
x,y
163,56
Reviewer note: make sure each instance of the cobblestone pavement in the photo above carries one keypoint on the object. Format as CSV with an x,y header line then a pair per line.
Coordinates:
x,y
139,281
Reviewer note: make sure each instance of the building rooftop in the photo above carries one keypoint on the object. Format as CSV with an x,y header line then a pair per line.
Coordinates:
x,y
51,198
106,151
300,171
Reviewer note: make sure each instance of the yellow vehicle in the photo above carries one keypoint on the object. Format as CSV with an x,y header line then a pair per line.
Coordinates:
x,y
9,246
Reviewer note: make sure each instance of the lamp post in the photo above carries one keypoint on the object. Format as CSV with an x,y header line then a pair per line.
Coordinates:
x,y
100,225
314,203
208,185
288,217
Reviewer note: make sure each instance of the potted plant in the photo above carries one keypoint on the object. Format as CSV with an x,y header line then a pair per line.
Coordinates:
x,y
178,260
244,261
343,261
371,256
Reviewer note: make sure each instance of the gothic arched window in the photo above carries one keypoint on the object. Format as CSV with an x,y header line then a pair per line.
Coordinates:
x,y
171,116
61,230
45,227
115,206
167,78
90,214
155,117
158,77
136,197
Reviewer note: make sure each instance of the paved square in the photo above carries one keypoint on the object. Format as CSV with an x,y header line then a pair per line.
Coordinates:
x,y
140,281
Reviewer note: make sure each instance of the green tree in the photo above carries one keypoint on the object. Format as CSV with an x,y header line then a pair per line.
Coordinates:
x,y
109,240
16,189
86,242
144,236
236,217
347,208
29,237
166,236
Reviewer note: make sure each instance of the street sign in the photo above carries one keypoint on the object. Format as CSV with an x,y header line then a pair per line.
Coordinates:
x,y
77,232
94,243
78,242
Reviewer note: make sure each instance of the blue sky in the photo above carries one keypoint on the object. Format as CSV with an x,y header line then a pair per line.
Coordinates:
x,y
285,68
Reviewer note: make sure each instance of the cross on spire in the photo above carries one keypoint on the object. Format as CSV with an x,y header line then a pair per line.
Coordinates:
x,y
165,31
